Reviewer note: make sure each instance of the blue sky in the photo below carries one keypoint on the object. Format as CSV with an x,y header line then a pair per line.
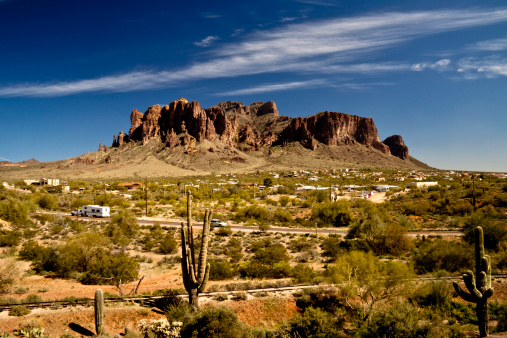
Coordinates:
x,y
435,73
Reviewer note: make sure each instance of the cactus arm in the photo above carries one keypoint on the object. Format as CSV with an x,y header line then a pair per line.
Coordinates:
x,y
204,245
466,296
205,280
486,266
470,284
190,229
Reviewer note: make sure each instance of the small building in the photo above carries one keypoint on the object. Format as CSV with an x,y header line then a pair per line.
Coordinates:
x,y
130,185
50,181
422,184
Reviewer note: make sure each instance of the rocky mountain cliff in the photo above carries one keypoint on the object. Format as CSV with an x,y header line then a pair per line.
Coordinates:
x,y
256,127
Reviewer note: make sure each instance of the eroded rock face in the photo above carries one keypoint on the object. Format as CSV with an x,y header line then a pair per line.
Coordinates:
x,y
333,128
267,108
397,146
183,123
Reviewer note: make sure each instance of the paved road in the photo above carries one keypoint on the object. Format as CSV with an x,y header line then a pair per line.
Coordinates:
x,y
245,228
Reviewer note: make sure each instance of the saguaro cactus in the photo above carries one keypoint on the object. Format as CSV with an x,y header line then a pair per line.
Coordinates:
x,y
479,287
99,312
195,273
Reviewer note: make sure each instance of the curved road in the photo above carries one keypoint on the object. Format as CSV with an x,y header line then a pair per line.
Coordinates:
x,y
245,228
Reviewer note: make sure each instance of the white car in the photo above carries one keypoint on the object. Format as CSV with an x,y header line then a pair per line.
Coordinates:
x,y
218,223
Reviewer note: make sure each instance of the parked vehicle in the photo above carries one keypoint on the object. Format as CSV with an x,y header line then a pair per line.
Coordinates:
x,y
218,223
92,210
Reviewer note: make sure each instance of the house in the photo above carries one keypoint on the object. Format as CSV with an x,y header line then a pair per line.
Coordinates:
x,y
130,185
421,184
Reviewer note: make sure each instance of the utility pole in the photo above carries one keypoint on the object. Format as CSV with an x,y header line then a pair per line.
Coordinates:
x,y
146,195
473,193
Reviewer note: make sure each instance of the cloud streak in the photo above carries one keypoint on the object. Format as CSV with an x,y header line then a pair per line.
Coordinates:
x,y
273,87
490,45
324,47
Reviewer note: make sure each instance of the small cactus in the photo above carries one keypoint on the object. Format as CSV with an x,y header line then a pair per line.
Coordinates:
x,y
99,312
479,287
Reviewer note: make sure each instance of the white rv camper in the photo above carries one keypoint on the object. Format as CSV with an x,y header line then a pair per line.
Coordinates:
x,y
93,210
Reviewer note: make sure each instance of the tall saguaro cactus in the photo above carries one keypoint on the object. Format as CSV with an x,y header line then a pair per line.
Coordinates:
x,y
99,312
195,273
479,287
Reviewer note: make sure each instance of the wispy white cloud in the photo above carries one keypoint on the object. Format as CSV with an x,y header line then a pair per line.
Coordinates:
x,y
207,41
3,158
288,19
488,67
490,45
237,31
274,87
328,46
440,66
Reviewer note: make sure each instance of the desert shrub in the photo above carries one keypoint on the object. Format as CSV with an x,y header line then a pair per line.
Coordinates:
x,y
284,200
314,323
32,299
255,269
224,231
435,294
234,249
399,320
326,299
9,272
9,238
168,244
215,322
331,246
271,254
302,273
495,233
46,201
111,269
19,310
221,269
332,214
16,211
123,227
501,318
442,255
282,216
170,298
253,212
30,324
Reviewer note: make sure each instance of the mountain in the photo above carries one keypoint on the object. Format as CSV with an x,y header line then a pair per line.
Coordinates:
x,y
183,139
252,128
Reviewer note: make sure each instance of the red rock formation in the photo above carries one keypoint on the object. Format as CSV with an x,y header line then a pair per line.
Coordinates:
x,y
397,146
253,127
267,108
136,120
333,128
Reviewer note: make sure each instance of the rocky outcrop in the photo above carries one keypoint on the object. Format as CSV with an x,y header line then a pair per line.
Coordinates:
x,y
267,108
253,127
333,128
397,146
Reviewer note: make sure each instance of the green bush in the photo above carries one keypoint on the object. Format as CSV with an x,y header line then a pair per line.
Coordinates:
x,y
399,320
168,244
32,299
221,269
19,310
315,323
442,255
435,294
216,323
